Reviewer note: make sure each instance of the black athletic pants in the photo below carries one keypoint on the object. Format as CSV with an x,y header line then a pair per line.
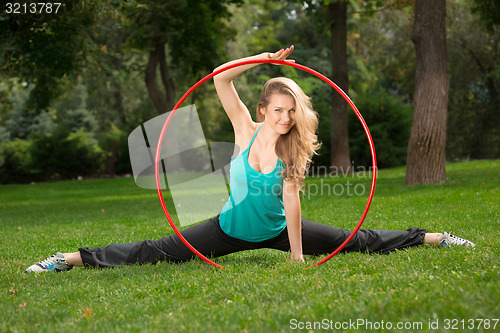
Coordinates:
x,y
209,239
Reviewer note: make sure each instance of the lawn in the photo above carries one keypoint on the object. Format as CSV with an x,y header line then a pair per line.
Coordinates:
x,y
420,289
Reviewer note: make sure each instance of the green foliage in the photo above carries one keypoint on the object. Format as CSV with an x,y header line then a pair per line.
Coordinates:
x,y
389,121
6,88
43,48
382,54
474,101
19,123
15,162
114,144
489,10
74,114
4,134
193,30
64,154
22,121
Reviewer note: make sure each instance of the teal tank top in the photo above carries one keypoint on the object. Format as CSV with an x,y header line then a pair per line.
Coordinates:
x,y
255,210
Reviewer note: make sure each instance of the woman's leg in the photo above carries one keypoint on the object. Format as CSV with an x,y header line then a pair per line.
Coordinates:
x,y
207,238
319,239
447,239
73,259
433,238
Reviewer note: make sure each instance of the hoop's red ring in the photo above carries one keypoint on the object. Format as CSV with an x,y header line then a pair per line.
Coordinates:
x,y
292,64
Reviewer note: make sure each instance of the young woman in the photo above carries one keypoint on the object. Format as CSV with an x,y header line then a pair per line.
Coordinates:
x,y
266,177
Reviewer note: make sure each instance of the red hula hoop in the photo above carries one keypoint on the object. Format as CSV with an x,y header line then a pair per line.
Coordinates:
x,y
292,64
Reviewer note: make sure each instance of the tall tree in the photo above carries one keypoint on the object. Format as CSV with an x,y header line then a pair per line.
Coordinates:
x,y
176,34
336,12
327,17
44,47
473,125
179,35
340,157
110,35
489,10
426,149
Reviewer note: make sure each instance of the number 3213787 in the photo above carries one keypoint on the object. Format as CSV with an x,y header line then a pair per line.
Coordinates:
x,y
32,8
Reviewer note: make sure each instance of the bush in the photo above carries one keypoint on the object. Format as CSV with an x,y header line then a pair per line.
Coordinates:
x,y
64,155
389,121
15,162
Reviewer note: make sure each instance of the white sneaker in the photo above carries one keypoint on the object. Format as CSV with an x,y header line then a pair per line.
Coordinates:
x,y
448,240
56,263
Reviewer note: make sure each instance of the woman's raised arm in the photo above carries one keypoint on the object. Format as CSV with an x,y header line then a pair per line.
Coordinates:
x,y
235,109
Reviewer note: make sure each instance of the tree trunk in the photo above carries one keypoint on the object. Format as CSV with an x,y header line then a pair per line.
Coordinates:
x,y
168,84
426,149
163,102
340,160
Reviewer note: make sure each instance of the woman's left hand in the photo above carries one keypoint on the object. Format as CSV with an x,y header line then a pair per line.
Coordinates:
x,y
297,257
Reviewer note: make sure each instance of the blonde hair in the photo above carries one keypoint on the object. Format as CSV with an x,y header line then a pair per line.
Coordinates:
x,y
295,148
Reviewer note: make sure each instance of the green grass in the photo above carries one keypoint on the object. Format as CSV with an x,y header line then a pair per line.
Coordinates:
x,y
259,291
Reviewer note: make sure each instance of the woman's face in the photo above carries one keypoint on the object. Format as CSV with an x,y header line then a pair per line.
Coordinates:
x,y
280,113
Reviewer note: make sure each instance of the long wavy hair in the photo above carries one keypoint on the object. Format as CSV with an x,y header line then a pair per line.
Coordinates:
x,y
297,147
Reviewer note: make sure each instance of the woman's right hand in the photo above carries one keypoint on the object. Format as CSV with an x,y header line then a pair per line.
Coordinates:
x,y
281,55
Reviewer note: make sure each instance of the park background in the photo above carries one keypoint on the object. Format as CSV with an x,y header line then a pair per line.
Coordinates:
x,y
74,84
